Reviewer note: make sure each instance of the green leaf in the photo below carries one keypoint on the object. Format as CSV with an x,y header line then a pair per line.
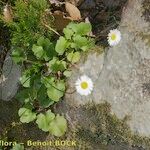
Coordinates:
x,y
38,51
42,97
25,80
23,95
72,26
48,47
81,28
80,41
46,102
43,120
67,73
85,48
26,115
18,56
61,45
74,45
35,68
29,94
56,90
58,126
18,147
28,105
73,57
57,65
68,33
41,41
47,81
36,82
49,52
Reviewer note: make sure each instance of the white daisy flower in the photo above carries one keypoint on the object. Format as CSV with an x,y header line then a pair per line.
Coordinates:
x,y
84,85
114,37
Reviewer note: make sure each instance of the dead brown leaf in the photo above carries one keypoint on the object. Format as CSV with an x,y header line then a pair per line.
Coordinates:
x,y
7,14
60,21
73,11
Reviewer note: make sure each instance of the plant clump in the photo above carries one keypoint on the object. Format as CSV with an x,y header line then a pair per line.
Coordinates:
x,y
46,62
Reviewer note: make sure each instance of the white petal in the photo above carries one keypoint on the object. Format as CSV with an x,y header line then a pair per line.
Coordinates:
x,y
118,37
82,91
78,82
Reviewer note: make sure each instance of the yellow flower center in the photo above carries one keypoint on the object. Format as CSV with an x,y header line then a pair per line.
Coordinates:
x,y
84,85
113,37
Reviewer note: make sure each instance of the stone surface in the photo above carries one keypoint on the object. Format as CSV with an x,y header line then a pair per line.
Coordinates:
x,y
9,79
121,75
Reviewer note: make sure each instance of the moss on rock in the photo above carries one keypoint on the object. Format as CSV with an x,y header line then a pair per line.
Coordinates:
x,y
91,126
97,128
103,128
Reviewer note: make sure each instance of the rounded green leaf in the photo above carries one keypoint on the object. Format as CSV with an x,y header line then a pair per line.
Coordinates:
x,y
26,115
42,97
67,73
84,48
56,65
41,41
58,126
47,81
73,57
56,91
43,120
48,48
46,102
18,55
68,33
38,51
83,28
61,45
23,95
80,41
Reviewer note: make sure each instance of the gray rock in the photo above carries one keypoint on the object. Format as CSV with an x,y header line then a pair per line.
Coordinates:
x,y
121,75
9,79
